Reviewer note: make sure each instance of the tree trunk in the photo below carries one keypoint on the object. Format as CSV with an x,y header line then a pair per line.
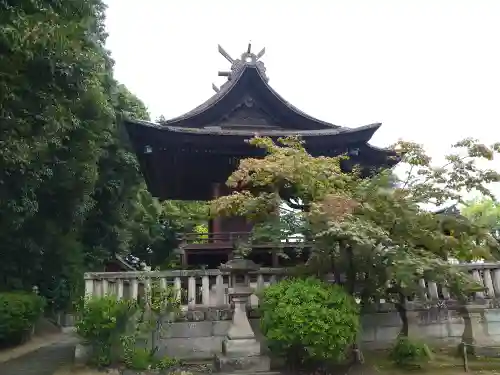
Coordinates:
x,y
468,334
350,272
401,309
336,272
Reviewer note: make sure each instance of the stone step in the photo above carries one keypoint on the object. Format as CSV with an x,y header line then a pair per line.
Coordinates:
x,y
252,364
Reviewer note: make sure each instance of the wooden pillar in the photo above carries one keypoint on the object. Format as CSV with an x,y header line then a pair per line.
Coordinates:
x,y
184,259
216,221
275,259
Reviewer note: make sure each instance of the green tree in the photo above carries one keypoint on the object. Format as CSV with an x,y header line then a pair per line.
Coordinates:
x,y
71,195
157,225
126,218
107,230
484,212
371,233
55,119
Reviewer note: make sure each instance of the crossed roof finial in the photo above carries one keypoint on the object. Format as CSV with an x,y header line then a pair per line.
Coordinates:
x,y
247,58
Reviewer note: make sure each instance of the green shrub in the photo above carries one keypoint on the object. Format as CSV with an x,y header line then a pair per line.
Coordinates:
x,y
139,359
167,363
102,322
308,321
410,354
19,312
113,327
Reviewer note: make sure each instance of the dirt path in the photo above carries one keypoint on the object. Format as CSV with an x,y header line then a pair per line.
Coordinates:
x,y
44,360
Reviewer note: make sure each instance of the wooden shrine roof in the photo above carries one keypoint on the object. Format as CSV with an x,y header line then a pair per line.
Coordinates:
x,y
183,157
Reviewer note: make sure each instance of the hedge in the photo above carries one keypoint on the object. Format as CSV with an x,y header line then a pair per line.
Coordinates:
x,y
19,312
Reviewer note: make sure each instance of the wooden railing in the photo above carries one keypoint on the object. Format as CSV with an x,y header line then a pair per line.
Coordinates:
x,y
229,237
208,288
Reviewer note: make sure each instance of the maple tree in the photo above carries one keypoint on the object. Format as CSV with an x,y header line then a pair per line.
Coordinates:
x,y
484,212
371,233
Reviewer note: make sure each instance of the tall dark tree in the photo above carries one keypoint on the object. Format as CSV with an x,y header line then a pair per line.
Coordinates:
x,y
55,119
107,228
71,195
67,182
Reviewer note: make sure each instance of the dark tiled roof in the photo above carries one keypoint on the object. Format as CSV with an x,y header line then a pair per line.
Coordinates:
x,y
247,68
451,210
278,133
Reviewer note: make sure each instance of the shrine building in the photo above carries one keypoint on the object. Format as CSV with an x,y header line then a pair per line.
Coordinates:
x,y
191,156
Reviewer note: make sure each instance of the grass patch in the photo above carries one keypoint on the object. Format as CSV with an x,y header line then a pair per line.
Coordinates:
x,y
445,361
79,370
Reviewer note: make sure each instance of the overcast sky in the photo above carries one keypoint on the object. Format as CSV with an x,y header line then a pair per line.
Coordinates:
x,y
429,70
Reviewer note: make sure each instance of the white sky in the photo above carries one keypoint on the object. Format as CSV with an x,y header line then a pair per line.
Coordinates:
x,y
429,70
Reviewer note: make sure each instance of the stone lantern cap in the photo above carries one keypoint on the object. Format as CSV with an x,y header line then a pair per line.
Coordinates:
x,y
238,264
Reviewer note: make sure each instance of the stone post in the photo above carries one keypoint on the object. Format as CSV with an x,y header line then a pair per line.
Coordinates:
x,y
475,334
414,329
478,334
240,348
414,316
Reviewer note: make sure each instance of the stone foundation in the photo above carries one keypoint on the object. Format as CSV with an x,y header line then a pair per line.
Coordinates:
x,y
199,334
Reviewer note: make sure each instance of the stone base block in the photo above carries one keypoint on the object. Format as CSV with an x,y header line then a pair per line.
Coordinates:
x,y
487,351
258,363
241,348
68,329
82,353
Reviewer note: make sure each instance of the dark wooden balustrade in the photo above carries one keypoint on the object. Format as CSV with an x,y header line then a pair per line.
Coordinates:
x,y
231,239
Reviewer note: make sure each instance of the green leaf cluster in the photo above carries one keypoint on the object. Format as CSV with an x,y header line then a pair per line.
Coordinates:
x,y
308,321
112,327
18,314
71,194
484,212
55,119
102,321
410,354
371,232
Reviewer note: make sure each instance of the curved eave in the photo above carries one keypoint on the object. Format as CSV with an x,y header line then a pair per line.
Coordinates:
x,y
248,81
385,156
151,133
198,157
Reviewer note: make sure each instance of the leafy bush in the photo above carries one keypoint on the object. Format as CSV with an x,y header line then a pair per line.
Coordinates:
x,y
167,363
101,323
410,354
308,321
112,327
139,359
19,312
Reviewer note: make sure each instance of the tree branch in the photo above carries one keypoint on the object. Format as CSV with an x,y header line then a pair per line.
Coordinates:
x,y
293,205
408,177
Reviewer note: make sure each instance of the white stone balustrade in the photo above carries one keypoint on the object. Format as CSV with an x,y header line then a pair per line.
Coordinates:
x,y
208,288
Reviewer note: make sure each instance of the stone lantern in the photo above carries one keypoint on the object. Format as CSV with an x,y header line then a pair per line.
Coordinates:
x,y
240,349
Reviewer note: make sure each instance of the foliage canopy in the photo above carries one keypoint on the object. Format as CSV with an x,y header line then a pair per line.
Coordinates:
x,y
372,233
71,195
306,320
485,213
